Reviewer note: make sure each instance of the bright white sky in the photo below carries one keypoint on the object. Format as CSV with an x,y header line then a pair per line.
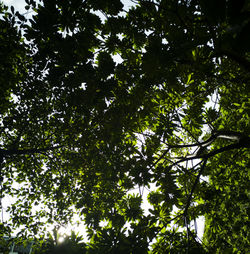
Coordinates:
x,y
18,4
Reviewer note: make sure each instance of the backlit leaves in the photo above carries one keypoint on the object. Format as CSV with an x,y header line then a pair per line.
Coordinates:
x,y
103,104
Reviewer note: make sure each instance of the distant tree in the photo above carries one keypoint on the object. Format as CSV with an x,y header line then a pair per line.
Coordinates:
x,y
79,130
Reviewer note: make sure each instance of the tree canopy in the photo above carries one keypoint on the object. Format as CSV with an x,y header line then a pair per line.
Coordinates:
x,y
100,99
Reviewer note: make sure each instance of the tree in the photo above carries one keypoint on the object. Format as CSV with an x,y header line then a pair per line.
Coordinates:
x,y
80,130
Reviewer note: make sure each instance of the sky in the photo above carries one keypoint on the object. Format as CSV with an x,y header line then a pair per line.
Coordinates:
x,y
19,6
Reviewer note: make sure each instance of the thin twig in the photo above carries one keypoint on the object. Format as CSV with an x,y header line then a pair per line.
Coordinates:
x,y
194,186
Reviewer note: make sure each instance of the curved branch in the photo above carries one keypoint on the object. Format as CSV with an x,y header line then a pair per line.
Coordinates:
x,y
211,154
243,142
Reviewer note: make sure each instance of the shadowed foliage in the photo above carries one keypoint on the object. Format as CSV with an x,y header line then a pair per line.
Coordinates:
x,y
104,101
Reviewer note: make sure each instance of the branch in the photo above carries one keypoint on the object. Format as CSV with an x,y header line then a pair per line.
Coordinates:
x,y
212,138
243,142
208,155
10,152
194,186
221,150
237,58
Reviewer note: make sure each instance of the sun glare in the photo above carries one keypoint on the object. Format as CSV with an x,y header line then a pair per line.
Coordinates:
x,y
61,239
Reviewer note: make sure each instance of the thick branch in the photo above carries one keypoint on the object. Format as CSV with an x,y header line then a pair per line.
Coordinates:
x,y
211,154
242,142
221,150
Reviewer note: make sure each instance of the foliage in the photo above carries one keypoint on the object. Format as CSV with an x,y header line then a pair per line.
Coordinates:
x,y
71,244
84,133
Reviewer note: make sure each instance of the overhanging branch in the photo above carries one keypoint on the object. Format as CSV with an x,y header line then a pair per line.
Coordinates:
x,y
243,141
6,152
